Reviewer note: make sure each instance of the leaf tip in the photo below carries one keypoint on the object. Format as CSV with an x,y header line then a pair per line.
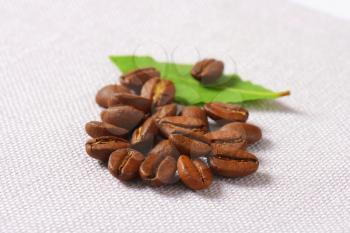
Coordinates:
x,y
111,58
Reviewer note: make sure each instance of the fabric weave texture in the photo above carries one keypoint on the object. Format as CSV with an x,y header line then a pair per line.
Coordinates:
x,y
54,58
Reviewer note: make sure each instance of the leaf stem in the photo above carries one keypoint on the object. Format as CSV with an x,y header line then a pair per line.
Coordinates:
x,y
284,93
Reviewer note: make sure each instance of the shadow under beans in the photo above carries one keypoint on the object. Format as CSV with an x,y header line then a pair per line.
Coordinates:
x,y
103,164
214,191
257,179
171,190
264,144
178,189
134,184
174,190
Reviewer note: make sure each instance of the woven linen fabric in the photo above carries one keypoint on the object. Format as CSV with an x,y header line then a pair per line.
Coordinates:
x,y
54,57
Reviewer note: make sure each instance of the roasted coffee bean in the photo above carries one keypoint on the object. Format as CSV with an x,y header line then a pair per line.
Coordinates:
x,y
224,113
167,129
165,148
208,70
196,112
100,148
126,117
124,164
165,110
250,132
143,138
135,101
226,140
106,92
236,163
158,169
168,125
136,78
160,91
190,143
98,129
195,174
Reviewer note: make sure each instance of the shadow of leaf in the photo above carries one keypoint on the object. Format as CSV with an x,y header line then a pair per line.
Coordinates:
x,y
270,106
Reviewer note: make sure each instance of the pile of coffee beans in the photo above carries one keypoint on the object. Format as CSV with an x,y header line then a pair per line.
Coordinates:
x,y
144,134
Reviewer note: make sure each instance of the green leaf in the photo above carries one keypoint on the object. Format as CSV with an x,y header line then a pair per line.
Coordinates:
x,y
228,89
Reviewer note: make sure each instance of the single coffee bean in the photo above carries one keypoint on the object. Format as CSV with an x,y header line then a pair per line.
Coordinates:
x,y
126,117
226,140
250,132
135,101
100,148
224,113
165,148
158,169
195,174
97,129
196,112
124,164
143,138
190,143
168,125
106,92
165,110
136,78
236,163
208,70
160,91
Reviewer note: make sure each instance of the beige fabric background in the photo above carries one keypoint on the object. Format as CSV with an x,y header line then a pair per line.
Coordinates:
x,y
53,59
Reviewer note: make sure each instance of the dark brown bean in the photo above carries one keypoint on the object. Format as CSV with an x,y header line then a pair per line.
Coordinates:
x,y
236,163
160,91
208,70
97,129
168,125
143,138
158,169
224,113
165,148
137,78
250,132
196,112
195,174
135,101
190,143
103,95
100,148
126,117
165,110
124,164
226,140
